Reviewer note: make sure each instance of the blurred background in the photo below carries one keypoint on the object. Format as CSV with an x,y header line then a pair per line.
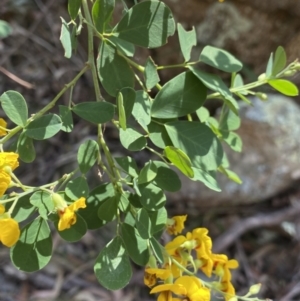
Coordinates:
x,y
257,223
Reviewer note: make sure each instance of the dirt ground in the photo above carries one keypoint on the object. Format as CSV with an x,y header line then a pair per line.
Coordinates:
x,y
263,237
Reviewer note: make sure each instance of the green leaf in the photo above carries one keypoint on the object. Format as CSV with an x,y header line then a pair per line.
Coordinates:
x,y
220,59
203,114
128,165
136,246
23,209
93,202
158,219
113,70
42,200
182,95
25,148
152,197
44,127
66,118
108,209
123,201
125,47
284,86
233,140
128,100
148,173
77,188
5,29
157,249
187,39
102,12
141,109
95,112
147,24
229,121
216,84
150,74
66,38
87,155
15,107
279,60
112,267
166,178
132,139
180,160
269,66
198,141
34,248
73,8
143,223
231,175
121,110
208,178
158,135
75,232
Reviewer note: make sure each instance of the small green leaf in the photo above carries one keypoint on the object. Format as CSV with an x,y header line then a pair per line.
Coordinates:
x,y
158,135
143,223
128,165
25,148
125,47
87,155
147,24
279,60
15,107
73,8
66,38
148,173
203,114
182,95
108,209
66,118
23,209
233,140
220,59
284,86
75,232
113,70
231,175
43,201
77,188
150,74
158,219
95,112
128,100
136,246
5,29
152,197
229,121
112,267
157,249
166,178
187,39
34,248
141,109
208,178
102,12
269,66
44,127
132,139
121,110
180,160
96,197
215,83
198,142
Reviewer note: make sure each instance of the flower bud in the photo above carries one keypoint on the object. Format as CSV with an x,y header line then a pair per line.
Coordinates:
x,y
59,202
254,289
262,96
289,73
263,76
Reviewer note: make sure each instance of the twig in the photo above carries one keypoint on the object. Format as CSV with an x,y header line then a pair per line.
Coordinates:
x,y
260,220
16,78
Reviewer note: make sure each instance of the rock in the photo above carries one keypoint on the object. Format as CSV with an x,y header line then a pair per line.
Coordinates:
x,y
268,163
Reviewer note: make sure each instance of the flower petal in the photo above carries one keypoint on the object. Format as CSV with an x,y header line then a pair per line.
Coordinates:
x,y
9,231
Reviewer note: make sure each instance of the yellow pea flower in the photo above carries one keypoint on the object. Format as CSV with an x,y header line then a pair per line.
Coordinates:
x,y
3,125
175,225
222,266
67,215
9,161
152,274
9,229
5,180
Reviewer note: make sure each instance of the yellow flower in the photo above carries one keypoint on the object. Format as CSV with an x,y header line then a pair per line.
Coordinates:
x,y
3,125
185,286
175,225
9,161
9,229
67,216
151,275
5,180
228,289
222,266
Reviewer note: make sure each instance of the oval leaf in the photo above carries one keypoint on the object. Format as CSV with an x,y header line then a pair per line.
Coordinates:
x,y
73,8
284,86
44,127
143,223
87,155
66,38
25,148
95,112
77,188
147,24
102,12
15,107
112,267
132,140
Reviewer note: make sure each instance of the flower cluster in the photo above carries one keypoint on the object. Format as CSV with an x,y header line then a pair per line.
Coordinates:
x,y
187,256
